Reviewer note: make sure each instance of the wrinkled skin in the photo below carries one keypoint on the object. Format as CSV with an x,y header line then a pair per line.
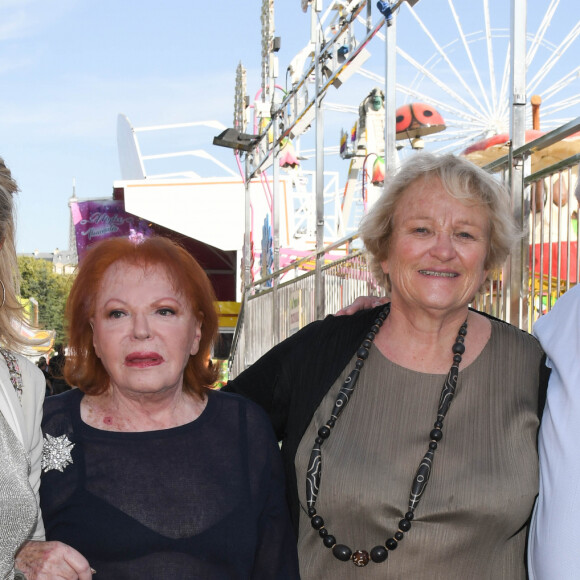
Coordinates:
x,y
52,561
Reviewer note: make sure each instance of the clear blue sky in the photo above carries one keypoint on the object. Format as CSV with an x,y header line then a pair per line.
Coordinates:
x,y
69,67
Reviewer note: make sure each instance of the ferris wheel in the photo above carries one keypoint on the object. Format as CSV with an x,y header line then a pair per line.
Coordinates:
x,y
455,56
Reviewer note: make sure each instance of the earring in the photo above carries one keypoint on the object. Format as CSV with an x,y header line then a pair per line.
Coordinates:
x,y
3,293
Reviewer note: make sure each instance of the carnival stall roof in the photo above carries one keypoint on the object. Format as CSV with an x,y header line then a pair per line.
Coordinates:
x,y
487,150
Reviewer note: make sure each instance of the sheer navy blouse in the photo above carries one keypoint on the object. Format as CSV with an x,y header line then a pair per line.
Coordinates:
x,y
204,500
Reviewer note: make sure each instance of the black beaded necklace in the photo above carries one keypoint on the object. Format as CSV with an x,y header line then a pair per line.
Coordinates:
x,y
314,472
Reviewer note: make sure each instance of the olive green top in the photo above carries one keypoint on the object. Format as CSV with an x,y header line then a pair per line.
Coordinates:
x,y
471,521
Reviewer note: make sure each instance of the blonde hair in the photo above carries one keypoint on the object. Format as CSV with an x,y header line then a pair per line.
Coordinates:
x,y
462,180
11,312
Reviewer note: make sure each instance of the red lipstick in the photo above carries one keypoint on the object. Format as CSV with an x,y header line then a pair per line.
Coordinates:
x,y
143,359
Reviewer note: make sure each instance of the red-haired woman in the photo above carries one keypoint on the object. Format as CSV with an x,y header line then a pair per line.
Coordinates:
x,y
148,472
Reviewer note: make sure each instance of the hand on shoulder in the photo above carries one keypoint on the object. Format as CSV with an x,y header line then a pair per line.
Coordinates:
x,y
362,303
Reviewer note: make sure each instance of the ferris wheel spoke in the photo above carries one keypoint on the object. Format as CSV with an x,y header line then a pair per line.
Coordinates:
x,y
444,106
562,83
444,87
554,122
363,72
490,54
445,148
332,150
457,128
563,104
541,33
469,54
504,88
459,143
460,135
446,58
554,57
340,108
310,153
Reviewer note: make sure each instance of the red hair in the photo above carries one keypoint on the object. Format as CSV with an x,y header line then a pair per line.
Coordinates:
x,y
83,368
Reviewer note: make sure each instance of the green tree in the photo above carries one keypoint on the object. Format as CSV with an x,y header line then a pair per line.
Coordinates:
x,y
39,281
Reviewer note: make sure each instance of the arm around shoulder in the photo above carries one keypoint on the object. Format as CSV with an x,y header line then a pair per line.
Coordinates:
x,y
268,381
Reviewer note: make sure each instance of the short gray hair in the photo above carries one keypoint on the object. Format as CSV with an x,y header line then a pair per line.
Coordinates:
x,y
462,180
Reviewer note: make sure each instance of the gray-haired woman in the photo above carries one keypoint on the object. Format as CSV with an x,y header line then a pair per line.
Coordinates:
x,y
422,412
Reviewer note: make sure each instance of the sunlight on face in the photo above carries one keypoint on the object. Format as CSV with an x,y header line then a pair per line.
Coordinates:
x,y
438,248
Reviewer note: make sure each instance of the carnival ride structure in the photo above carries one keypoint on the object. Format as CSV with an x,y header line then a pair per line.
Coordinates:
x,y
454,59
295,193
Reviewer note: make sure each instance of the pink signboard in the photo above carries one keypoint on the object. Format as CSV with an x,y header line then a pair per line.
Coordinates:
x,y
99,220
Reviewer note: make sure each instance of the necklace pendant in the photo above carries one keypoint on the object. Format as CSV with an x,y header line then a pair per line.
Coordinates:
x,y
421,480
313,476
360,558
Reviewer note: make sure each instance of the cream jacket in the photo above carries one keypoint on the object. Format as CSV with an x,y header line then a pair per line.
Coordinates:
x,y
24,417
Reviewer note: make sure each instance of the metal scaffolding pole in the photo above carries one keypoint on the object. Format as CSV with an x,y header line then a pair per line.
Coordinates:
x,y
389,11
275,225
319,297
517,280
390,98
247,250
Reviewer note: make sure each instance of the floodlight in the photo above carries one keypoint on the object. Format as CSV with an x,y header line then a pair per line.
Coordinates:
x,y
234,139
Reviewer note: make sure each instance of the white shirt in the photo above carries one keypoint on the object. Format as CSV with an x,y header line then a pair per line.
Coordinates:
x,y
554,543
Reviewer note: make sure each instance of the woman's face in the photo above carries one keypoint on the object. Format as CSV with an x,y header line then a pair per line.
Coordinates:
x,y
437,250
143,330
